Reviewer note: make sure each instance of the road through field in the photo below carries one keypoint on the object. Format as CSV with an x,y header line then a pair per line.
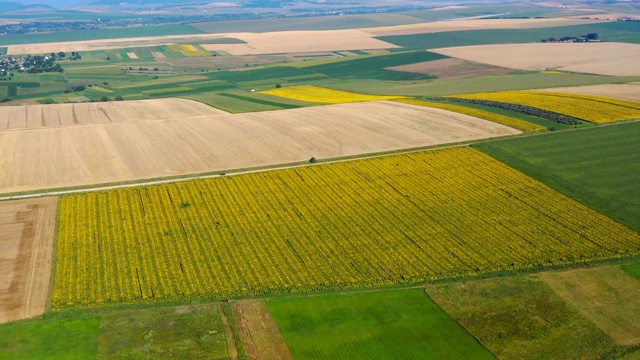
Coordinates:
x,y
62,157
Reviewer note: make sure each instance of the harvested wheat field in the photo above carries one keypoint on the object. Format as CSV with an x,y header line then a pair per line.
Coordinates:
x,y
301,41
616,59
616,91
451,68
37,116
27,231
102,153
258,332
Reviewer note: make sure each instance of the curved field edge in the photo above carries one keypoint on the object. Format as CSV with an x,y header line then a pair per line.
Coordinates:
x,y
486,115
597,166
382,221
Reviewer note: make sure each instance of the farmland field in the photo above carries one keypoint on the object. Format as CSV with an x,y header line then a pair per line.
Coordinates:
x,y
112,152
27,229
597,166
322,95
403,324
386,220
522,318
606,295
451,68
591,108
616,59
38,116
618,91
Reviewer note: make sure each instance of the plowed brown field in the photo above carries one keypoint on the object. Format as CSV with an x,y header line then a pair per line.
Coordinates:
x,y
27,230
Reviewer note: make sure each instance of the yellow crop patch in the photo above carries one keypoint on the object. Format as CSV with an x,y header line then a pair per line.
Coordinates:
x,y
324,95
380,221
591,108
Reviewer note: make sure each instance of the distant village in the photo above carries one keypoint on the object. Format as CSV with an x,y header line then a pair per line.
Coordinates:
x,y
34,64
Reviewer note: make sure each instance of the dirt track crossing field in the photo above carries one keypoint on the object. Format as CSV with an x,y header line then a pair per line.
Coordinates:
x,y
258,331
36,116
27,229
71,156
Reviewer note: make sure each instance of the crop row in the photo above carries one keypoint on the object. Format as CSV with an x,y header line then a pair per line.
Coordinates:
x,y
586,107
388,220
481,114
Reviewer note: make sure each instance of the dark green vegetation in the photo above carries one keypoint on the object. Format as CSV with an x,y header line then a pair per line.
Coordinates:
x,y
626,31
403,324
50,339
521,317
550,125
598,166
112,33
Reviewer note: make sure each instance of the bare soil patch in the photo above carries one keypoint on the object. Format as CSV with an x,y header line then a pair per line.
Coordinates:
x,y
605,295
258,331
451,68
112,152
27,231
618,91
616,59
132,55
55,115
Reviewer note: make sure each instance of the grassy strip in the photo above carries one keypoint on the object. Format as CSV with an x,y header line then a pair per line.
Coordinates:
x,y
237,340
50,339
396,324
260,101
497,118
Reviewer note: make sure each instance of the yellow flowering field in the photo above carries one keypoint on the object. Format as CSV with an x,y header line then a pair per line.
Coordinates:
x,y
481,114
323,95
386,220
591,108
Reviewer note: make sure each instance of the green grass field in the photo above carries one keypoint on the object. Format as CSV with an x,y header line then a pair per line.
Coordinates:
x,y
50,339
112,33
616,31
95,70
632,270
598,166
403,324
522,318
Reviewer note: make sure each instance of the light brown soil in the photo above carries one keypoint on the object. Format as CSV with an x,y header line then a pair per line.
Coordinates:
x,y
473,24
56,115
258,331
132,55
70,156
451,68
27,230
605,295
618,91
615,59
